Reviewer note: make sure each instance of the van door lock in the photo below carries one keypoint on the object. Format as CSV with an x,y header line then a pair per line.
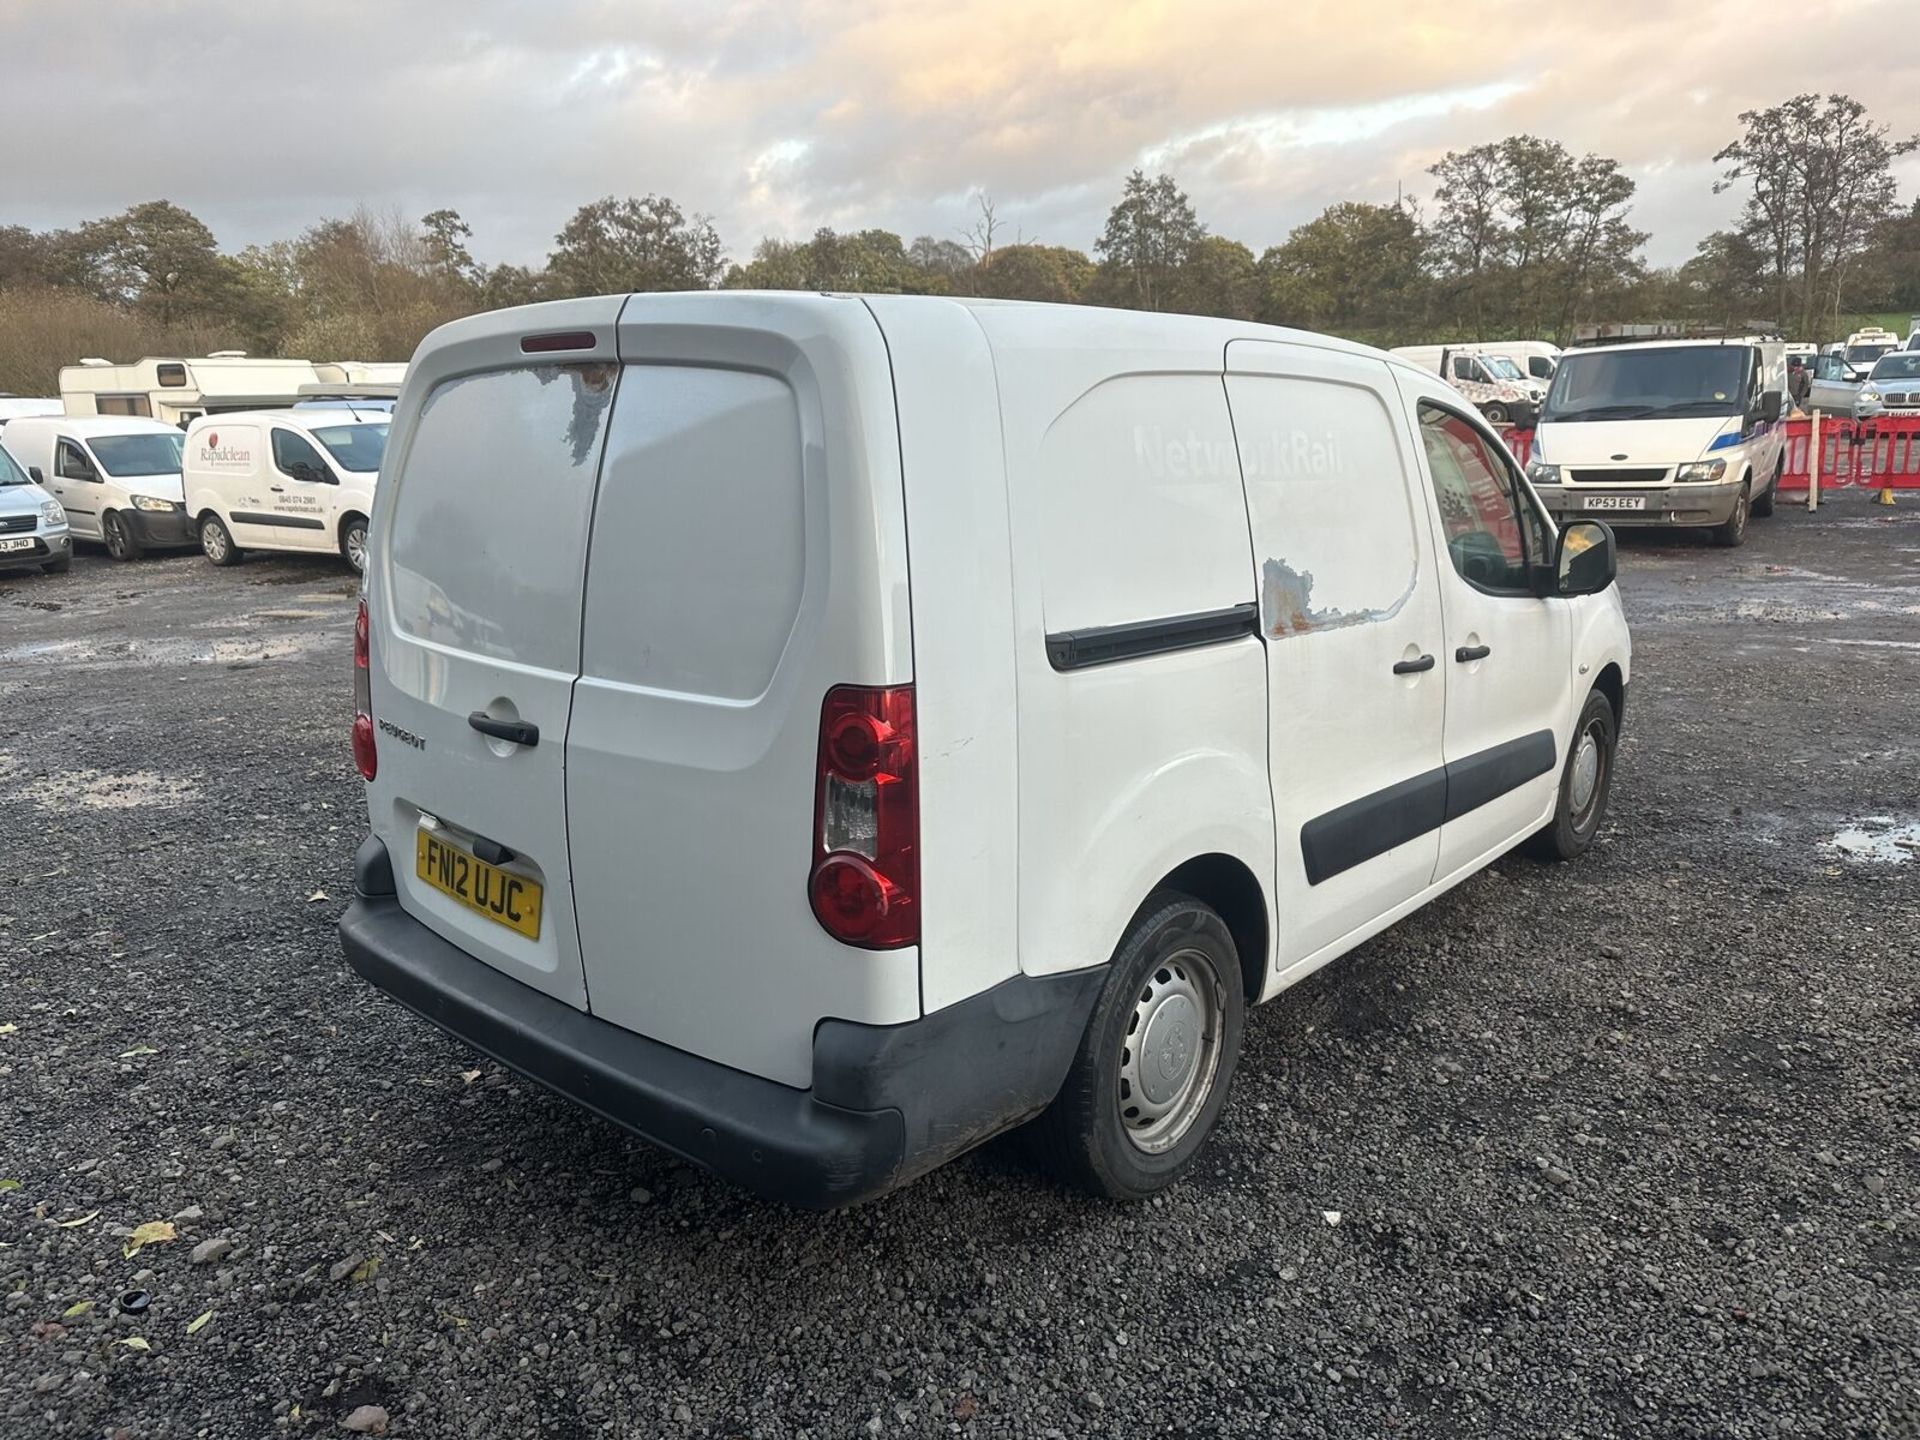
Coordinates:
x,y
515,732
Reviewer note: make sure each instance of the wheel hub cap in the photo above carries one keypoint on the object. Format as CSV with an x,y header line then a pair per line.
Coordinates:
x,y
1586,773
1171,1052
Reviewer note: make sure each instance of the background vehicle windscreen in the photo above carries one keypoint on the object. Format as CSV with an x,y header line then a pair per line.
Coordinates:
x,y
354,447
1904,365
1504,368
124,455
1643,384
10,471
1861,356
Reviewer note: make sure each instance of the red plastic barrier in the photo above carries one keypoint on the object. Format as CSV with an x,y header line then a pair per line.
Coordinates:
x,y
1854,454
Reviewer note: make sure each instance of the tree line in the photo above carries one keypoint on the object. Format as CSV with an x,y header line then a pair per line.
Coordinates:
x,y
1520,238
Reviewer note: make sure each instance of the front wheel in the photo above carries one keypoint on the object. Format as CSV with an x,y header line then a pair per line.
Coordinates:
x,y
216,542
118,537
1496,414
1585,784
1733,530
353,544
1152,1072
1763,505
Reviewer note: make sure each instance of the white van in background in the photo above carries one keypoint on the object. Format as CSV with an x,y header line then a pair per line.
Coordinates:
x,y
1665,432
1495,384
298,480
118,478
1222,647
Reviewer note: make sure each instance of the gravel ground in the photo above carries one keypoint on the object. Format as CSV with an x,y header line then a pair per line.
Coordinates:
x,y
1627,1147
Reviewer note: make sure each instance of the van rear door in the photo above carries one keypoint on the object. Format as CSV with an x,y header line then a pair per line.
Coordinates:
x,y
748,554
481,527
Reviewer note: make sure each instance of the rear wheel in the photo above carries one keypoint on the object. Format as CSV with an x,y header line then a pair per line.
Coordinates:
x,y
353,543
216,543
118,536
1153,1069
1733,530
1585,784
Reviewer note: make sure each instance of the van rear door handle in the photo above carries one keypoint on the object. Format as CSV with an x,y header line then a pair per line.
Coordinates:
x,y
1413,667
1472,652
517,732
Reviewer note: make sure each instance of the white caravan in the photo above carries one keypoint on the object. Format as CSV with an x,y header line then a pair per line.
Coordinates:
x,y
297,480
1221,648
118,478
1665,432
183,389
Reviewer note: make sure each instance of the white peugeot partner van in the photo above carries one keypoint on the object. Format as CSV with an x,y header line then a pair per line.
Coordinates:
x,y
283,480
822,732
118,477
1665,432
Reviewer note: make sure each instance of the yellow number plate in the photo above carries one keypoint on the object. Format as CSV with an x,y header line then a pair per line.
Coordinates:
x,y
500,895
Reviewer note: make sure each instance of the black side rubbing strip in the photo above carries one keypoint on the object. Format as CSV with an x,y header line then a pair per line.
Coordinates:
x,y
1489,774
1372,825
278,522
1077,649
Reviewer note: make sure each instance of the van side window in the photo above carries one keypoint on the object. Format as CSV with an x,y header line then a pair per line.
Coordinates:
x,y
69,463
295,458
1539,367
1489,523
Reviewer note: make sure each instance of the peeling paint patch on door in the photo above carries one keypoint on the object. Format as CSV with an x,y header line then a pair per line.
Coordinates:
x,y
1286,597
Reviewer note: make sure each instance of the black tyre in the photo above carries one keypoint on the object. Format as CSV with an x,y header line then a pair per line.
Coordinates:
x,y
1763,505
1586,781
1153,1069
353,543
216,542
58,567
1733,530
1496,414
118,536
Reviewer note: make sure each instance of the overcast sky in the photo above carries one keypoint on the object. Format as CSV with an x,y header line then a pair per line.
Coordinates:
x,y
775,118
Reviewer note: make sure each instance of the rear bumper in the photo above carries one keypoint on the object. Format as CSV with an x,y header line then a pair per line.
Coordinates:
x,y
888,1103
1666,505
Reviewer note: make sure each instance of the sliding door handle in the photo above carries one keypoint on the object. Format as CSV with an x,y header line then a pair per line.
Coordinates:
x,y
1413,667
519,732
1472,652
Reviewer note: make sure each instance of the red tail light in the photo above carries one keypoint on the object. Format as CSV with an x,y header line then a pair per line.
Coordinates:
x,y
364,756
865,885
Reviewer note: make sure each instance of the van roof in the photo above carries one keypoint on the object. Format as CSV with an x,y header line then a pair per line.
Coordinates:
x,y
329,416
1745,341
86,425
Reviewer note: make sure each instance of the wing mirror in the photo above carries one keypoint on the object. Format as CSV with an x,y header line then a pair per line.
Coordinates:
x,y
34,474
1770,406
1584,562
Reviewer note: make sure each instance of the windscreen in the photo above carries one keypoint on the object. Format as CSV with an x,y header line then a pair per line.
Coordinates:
x,y
1502,367
1861,356
1902,365
147,454
1649,384
10,471
354,447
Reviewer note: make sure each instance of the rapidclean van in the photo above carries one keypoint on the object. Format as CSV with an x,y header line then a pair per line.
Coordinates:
x,y
283,480
822,732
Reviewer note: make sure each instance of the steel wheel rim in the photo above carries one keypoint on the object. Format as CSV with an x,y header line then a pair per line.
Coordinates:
x,y
116,537
1171,1052
1589,765
213,540
357,547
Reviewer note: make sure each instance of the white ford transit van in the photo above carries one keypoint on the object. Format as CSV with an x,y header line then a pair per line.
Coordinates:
x,y
117,477
821,732
1665,432
283,480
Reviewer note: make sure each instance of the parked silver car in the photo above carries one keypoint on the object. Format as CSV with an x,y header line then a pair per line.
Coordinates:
x,y
33,526
1893,388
